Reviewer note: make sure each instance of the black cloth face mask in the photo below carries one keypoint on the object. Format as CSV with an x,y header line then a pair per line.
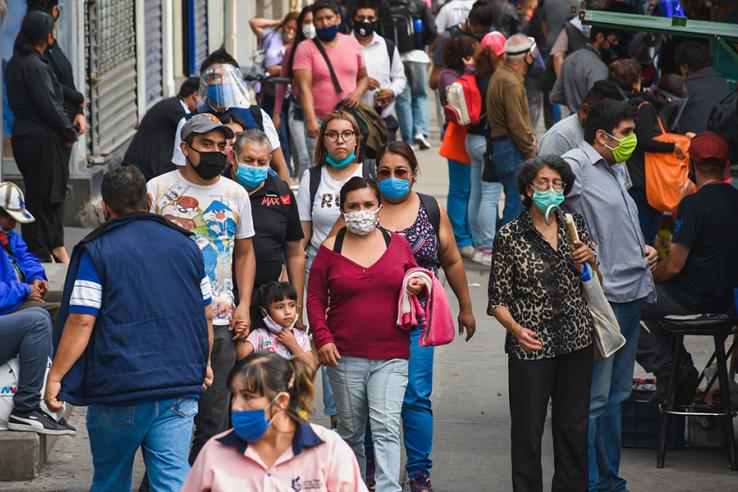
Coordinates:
x,y
211,164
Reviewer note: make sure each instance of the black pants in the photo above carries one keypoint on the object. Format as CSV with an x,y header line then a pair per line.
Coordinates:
x,y
654,345
212,415
43,160
565,380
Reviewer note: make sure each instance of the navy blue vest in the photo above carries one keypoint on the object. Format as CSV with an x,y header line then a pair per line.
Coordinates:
x,y
150,340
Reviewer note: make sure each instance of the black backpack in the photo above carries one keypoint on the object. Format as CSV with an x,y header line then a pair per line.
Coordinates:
x,y
396,23
724,118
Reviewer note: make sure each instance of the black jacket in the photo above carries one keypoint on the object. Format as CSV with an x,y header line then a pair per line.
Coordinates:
x,y
73,99
36,97
151,147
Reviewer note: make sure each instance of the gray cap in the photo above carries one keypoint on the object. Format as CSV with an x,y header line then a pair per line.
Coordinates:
x,y
203,123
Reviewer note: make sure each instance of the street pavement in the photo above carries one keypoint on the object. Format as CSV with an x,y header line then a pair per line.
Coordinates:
x,y
472,424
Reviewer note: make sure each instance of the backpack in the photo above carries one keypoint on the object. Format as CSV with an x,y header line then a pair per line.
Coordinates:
x,y
463,101
434,213
396,23
724,118
368,170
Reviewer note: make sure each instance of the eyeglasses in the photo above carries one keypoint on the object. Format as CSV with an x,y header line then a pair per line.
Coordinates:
x,y
545,184
346,135
385,172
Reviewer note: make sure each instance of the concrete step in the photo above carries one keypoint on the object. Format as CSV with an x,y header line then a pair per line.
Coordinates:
x,y
23,454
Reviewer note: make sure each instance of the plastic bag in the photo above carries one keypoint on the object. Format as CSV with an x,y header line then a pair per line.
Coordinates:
x,y
9,385
607,336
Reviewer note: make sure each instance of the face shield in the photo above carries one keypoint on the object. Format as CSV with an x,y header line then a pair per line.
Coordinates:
x,y
222,87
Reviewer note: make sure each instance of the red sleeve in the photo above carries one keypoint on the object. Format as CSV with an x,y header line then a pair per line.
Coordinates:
x,y
317,299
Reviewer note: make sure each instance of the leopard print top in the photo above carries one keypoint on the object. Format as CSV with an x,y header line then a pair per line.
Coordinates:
x,y
541,288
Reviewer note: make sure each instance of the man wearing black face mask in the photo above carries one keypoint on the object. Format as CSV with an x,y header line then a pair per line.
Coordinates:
x,y
383,65
218,212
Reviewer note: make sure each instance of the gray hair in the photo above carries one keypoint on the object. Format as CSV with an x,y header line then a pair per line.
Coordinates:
x,y
251,136
517,46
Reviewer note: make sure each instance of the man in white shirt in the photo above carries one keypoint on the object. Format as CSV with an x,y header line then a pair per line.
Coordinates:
x,y
452,14
218,211
383,65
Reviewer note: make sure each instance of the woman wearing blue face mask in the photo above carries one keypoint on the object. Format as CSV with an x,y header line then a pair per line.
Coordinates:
x,y
270,446
535,292
274,213
426,227
338,145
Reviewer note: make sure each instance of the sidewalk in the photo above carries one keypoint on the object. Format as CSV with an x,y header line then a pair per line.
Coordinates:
x,y
472,420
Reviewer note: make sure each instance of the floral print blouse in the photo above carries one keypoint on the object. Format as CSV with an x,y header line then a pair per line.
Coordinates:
x,y
541,287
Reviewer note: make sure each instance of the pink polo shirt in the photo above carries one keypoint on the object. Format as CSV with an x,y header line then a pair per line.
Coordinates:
x,y
319,460
346,59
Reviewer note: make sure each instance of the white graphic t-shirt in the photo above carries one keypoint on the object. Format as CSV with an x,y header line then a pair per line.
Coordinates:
x,y
218,215
326,209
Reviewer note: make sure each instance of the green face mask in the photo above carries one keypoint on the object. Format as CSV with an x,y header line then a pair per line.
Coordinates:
x,y
625,147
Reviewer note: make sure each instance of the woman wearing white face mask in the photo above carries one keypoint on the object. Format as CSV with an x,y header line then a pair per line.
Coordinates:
x,y
338,145
358,273
270,446
290,106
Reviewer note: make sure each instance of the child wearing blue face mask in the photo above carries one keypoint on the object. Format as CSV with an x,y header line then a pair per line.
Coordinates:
x,y
269,394
276,305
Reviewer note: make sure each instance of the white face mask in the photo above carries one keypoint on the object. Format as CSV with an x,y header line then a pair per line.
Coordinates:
x,y
361,222
275,327
309,31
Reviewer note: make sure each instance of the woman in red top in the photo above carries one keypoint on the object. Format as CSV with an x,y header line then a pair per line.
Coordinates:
x,y
358,272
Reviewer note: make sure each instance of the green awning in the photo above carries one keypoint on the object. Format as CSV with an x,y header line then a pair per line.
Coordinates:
x,y
722,32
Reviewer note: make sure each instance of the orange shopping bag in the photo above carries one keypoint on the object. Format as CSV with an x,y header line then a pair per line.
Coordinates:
x,y
666,174
454,143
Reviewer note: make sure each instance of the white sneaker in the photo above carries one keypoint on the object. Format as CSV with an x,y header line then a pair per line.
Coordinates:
x,y
467,252
422,141
482,256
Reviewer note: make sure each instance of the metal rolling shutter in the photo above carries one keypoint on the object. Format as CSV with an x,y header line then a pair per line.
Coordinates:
x,y
110,35
198,34
152,9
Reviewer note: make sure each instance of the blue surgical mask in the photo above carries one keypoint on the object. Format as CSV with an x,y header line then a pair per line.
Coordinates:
x,y
222,95
251,176
251,425
342,163
394,188
327,34
544,199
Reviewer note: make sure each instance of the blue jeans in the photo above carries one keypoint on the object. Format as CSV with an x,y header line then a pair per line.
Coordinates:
x,y
417,415
329,403
27,334
163,429
612,381
506,160
412,104
459,187
648,217
372,388
484,197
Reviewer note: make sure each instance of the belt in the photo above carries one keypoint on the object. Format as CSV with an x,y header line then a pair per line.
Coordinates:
x,y
502,137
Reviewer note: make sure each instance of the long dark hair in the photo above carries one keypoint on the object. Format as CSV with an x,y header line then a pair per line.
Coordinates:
x,y
299,37
34,30
268,374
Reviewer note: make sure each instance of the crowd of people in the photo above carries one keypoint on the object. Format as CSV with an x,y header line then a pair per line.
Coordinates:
x,y
255,235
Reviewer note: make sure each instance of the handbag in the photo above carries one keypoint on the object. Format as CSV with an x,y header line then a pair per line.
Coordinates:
x,y
666,174
607,336
454,143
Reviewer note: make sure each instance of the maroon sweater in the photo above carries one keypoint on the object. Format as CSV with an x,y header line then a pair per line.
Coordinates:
x,y
362,320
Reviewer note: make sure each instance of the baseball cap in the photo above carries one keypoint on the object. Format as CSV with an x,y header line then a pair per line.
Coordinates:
x,y
203,123
495,40
11,200
708,146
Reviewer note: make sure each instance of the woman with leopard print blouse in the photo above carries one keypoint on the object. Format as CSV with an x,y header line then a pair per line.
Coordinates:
x,y
535,292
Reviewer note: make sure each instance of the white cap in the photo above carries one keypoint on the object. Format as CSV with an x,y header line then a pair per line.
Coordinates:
x,y
11,200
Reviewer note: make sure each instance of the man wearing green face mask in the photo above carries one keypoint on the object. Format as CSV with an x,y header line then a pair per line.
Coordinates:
x,y
600,193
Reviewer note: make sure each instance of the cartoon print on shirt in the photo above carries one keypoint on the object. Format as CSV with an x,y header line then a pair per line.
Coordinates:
x,y
183,211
